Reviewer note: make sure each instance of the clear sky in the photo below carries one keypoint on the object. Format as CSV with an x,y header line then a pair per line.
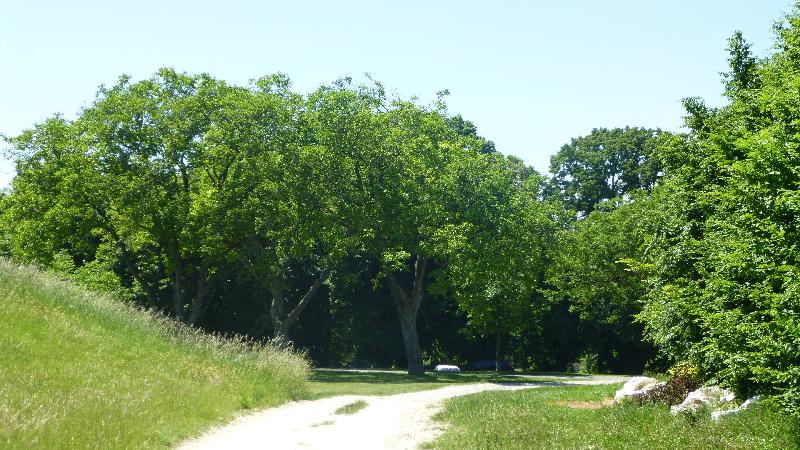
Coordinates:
x,y
530,74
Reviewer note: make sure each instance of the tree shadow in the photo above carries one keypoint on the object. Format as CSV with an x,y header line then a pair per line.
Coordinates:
x,y
388,377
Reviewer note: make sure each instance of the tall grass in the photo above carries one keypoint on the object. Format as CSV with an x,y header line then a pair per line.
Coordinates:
x,y
81,370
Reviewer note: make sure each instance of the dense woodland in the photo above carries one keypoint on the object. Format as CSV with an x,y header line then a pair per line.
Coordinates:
x,y
375,231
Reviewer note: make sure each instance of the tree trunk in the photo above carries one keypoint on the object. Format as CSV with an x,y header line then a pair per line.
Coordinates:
x,y
177,293
277,311
408,325
498,337
202,298
407,308
283,321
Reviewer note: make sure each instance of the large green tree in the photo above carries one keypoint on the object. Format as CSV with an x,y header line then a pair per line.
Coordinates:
x,y
120,181
496,246
269,194
393,160
592,271
181,179
606,164
723,254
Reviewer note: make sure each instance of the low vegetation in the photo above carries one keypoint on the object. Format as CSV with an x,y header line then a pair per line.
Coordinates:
x,y
351,408
584,417
79,370
327,383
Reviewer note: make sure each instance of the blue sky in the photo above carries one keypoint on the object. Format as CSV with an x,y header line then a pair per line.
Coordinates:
x,y
531,75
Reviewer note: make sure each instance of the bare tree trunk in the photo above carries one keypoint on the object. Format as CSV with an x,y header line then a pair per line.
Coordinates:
x,y
407,308
408,326
277,310
202,298
281,320
177,293
498,337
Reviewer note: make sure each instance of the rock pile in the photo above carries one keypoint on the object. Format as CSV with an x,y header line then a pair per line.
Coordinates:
x,y
712,397
637,389
719,401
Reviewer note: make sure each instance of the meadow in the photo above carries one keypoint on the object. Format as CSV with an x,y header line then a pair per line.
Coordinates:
x,y
582,417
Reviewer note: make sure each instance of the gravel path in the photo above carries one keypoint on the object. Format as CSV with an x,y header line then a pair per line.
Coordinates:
x,y
401,421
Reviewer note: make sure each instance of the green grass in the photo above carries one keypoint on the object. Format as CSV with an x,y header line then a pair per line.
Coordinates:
x,y
79,370
351,408
540,418
327,383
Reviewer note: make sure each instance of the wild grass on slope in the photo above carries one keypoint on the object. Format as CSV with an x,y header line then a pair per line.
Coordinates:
x,y
79,370
558,418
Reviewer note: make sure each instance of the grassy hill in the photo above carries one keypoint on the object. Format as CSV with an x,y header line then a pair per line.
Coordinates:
x,y
80,370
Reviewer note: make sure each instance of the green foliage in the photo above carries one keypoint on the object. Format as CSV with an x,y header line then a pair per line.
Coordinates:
x,y
722,262
81,370
591,269
5,226
202,199
588,363
497,249
605,165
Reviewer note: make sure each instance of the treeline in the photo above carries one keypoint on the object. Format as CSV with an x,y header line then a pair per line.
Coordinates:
x,y
231,207
374,230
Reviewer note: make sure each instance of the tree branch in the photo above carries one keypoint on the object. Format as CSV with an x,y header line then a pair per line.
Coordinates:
x,y
419,281
400,296
301,305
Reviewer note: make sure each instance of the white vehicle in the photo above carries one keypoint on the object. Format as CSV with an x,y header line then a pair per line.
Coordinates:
x,y
446,368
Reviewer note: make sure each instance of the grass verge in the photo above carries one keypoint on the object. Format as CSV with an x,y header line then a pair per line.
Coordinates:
x,y
576,418
80,370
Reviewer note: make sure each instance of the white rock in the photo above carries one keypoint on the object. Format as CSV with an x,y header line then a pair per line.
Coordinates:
x,y
446,368
711,396
727,412
633,388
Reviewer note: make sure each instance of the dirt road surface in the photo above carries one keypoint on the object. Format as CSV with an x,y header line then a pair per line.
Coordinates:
x,y
401,421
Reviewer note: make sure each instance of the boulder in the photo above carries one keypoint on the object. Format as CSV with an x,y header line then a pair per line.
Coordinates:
x,y
727,412
633,388
709,396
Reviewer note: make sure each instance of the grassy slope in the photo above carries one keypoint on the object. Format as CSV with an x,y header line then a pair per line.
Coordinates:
x,y
79,370
537,418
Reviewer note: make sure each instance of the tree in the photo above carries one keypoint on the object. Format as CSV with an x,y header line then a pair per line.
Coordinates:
x,y
592,270
123,180
496,249
722,258
392,157
274,198
743,74
604,165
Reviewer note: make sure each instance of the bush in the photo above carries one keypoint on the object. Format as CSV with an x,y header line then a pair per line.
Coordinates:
x,y
684,378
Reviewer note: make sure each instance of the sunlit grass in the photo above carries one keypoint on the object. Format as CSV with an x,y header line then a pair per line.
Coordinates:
x,y
575,418
80,370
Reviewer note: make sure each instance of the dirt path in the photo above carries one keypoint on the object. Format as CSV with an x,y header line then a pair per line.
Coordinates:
x,y
399,421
